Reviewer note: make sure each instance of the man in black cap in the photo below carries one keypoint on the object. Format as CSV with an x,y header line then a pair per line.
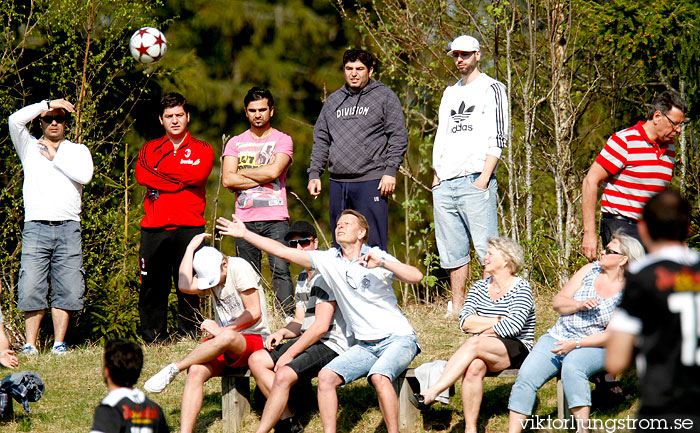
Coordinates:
x,y
317,334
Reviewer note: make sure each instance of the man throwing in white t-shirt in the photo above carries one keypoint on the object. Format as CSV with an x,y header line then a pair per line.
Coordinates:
x,y
360,278
239,329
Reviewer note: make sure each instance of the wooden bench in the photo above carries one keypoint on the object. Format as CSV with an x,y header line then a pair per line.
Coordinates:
x,y
235,399
408,414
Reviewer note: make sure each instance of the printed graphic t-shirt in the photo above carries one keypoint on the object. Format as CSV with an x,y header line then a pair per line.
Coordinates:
x,y
265,202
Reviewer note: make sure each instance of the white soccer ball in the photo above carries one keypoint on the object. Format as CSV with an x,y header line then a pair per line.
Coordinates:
x,y
148,45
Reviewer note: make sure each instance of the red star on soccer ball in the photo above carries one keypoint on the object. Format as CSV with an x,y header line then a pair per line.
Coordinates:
x,y
142,50
159,40
143,32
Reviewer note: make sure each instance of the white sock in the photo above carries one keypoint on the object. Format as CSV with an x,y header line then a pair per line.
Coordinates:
x,y
57,343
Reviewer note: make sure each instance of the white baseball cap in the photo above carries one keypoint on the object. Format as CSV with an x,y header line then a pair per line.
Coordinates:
x,y
463,43
207,267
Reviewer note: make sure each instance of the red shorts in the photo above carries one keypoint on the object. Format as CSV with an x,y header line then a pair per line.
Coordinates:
x,y
253,342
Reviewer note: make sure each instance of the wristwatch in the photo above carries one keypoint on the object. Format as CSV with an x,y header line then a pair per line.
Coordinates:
x,y
578,344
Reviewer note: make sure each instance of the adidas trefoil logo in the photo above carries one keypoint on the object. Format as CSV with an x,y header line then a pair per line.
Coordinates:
x,y
460,116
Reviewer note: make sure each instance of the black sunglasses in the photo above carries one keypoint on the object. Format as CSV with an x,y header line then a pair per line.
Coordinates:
x,y
49,119
304,242
609,251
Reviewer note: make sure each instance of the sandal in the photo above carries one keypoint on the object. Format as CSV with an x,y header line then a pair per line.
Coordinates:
x,y
418,400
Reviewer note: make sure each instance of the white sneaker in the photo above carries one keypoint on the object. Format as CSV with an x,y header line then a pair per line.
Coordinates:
x,y
28,350
60,349
449,312
161,380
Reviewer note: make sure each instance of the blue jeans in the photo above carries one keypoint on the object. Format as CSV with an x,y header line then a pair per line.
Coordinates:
x,y
542,364
54,249
279,269
389,357
464,213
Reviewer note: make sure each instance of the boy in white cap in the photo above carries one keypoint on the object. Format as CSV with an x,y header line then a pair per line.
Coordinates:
x,y
238,331
472,132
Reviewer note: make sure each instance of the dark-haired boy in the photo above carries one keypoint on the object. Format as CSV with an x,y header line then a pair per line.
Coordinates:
x,y
126,408
255,169
174,169
361,135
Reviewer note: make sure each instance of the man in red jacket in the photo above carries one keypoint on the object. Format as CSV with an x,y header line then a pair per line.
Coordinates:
x,y
174,169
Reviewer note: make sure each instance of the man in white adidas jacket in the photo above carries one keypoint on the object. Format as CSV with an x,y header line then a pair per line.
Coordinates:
x,y
472,132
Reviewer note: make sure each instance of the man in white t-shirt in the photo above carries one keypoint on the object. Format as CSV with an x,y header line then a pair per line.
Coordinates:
x,y
361,280
255,165
472,132
55,170
238,331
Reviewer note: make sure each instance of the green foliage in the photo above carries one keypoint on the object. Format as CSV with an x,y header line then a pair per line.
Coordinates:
x,y
657,40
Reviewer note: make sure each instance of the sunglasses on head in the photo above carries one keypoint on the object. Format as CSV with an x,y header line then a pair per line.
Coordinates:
x,y
49,119
304,242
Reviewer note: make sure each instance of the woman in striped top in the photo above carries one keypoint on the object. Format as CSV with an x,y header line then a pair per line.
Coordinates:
x,y
500,311
574,345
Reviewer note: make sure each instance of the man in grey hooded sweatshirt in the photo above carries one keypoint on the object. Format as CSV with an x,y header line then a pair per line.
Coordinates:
x,y
361,135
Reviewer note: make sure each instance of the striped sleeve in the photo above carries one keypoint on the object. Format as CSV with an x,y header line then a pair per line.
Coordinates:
x,y
498,136
474,298
614,155
517,319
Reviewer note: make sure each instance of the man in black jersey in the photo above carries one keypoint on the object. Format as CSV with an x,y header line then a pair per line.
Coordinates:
x,y
660,314
126,409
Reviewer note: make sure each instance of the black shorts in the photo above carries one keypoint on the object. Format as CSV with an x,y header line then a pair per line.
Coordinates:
x,y
517,351
309,362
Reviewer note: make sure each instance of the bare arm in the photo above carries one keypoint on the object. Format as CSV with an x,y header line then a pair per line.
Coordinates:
x,y
292,330
322,321
237,229
563,302
252,313
187,282
233,180
267,173
618,351
403,272
589,198
476,324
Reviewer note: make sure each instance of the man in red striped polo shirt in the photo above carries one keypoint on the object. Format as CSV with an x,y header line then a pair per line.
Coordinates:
x,y
635,164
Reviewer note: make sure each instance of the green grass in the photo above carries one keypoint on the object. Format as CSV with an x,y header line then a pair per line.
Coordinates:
x,y
74,387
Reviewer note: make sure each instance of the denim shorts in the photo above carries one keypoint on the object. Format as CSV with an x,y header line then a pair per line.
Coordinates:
x,y
463,215
54,249
389,357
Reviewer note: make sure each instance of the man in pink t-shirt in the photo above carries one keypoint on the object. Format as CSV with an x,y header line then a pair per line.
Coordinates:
x,y
255,165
